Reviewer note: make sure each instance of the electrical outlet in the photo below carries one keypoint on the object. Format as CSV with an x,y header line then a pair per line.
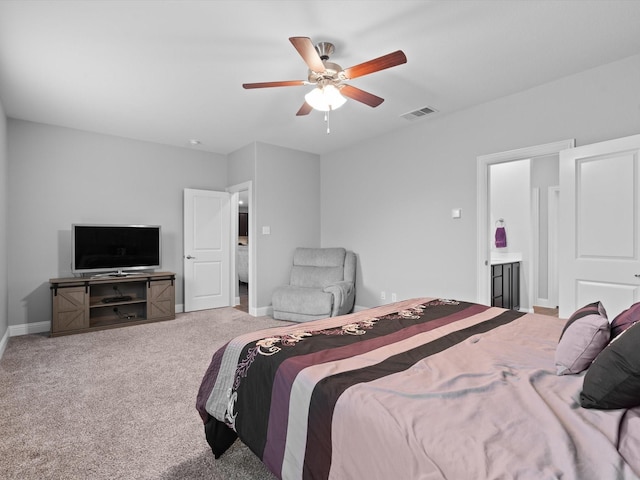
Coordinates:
x,y
383,295
394,297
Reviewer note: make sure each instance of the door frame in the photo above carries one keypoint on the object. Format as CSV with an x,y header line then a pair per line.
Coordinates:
x,y
483,283
235,190
554,212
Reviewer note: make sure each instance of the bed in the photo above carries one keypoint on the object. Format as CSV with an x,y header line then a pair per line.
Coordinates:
x,y
420,389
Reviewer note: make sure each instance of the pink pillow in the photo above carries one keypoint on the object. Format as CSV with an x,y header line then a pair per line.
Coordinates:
x,y
625,319
584,336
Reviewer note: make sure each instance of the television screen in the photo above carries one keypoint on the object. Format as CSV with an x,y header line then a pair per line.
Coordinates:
x,y
115,248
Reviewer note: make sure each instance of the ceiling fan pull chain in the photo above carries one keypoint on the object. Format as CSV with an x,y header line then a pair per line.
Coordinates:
x,y
326,119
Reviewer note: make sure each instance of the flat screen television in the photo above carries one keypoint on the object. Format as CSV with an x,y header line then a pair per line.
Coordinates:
x,y
115,249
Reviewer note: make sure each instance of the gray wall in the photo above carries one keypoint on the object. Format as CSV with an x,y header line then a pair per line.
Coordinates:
x,y
390,199
4,212
61,176
286,194
242,165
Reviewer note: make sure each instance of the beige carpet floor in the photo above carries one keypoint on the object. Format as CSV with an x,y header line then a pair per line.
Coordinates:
x,y
118,404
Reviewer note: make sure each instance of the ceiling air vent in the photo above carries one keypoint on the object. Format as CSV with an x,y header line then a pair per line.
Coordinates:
x,y
418,113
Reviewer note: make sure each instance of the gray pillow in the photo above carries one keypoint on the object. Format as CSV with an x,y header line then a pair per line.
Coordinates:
x,y
613,381
584,336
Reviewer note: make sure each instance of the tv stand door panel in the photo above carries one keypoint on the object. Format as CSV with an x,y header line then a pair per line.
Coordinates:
x,y
70,309
160,299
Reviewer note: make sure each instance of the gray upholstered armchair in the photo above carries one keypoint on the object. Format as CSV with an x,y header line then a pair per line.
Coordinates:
x,y
322,285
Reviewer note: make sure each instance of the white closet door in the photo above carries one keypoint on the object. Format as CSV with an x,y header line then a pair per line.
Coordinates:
x,y
599,231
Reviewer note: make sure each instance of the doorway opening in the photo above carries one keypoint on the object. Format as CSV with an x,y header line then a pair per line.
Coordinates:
x,y
243,250
541,157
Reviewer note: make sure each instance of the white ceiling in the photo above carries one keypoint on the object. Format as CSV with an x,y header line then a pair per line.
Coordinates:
x,y
170,71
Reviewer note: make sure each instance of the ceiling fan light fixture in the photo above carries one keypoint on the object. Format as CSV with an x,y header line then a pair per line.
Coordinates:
x,y
330,92
325,98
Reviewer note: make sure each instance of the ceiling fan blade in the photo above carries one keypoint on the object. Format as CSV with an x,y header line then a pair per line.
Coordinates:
x,y
360,95
305,109
287,83
386,61
308,52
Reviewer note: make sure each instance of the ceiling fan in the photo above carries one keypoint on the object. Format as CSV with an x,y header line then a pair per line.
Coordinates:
x,y
329,78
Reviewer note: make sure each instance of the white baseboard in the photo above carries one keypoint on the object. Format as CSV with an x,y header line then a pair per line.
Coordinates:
x,y
261,312
544,302
359,308
3,342
28,328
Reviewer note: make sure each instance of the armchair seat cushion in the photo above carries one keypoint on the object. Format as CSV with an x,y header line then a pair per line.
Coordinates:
x,y
302,300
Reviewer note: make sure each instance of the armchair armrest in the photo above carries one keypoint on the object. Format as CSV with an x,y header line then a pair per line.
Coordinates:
x,y
343,293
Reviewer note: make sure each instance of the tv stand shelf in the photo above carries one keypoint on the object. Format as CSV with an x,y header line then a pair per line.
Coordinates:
x,y
95,303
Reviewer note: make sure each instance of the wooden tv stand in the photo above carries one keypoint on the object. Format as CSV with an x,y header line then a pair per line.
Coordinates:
x,y
95,303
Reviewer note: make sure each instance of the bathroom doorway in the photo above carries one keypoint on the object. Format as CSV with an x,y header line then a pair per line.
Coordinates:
x,y
540,247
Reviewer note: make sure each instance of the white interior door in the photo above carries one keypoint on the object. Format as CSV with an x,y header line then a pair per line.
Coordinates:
x,y
599,226
207,254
